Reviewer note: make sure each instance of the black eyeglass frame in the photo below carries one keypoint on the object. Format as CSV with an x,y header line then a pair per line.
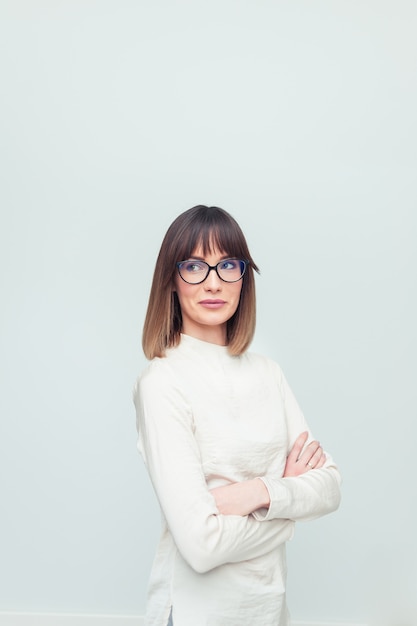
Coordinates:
x,y
214,267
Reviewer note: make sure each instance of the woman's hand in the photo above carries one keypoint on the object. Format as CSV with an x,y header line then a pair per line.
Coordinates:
x,y
241,498
300,461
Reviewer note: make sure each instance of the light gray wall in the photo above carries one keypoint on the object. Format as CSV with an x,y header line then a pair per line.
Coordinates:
x,y
297,117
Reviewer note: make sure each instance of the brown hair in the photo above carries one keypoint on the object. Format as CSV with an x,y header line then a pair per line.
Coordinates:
x,y
210,227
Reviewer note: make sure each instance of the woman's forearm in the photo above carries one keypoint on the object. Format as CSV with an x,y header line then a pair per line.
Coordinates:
x,y
241,498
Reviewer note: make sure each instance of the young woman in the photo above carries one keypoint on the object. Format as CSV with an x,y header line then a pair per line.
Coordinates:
x,y
229,453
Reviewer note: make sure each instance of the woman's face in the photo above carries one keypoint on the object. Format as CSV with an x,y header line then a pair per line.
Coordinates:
x,y
206,307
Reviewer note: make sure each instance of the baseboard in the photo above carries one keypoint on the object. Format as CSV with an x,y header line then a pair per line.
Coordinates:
x,y
63,619
295,623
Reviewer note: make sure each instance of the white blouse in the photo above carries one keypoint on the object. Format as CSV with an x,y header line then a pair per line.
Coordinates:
x,y
205,419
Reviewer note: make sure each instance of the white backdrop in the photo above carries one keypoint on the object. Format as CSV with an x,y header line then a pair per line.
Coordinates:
x,y
298,118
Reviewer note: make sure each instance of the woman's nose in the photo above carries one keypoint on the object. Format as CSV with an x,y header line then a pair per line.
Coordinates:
x,y
212,282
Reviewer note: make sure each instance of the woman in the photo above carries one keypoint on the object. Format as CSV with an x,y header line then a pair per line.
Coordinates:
x,y
230,456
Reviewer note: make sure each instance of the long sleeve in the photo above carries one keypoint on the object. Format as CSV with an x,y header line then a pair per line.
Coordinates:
x,y
304,497
205,538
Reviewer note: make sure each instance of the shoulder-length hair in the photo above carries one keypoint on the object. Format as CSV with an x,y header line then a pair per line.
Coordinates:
x,y
210,228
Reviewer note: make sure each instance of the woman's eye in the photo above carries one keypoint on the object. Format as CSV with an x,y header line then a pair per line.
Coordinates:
x,y
193,266
229,264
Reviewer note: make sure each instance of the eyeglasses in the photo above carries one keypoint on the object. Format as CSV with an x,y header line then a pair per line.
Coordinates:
x,y
194,272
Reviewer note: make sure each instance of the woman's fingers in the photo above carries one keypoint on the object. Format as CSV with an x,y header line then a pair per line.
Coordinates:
x,y
321,462
301,460
293,466
294,454
313,456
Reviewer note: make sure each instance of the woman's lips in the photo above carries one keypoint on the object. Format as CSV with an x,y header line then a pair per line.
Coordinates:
x,y
212,304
